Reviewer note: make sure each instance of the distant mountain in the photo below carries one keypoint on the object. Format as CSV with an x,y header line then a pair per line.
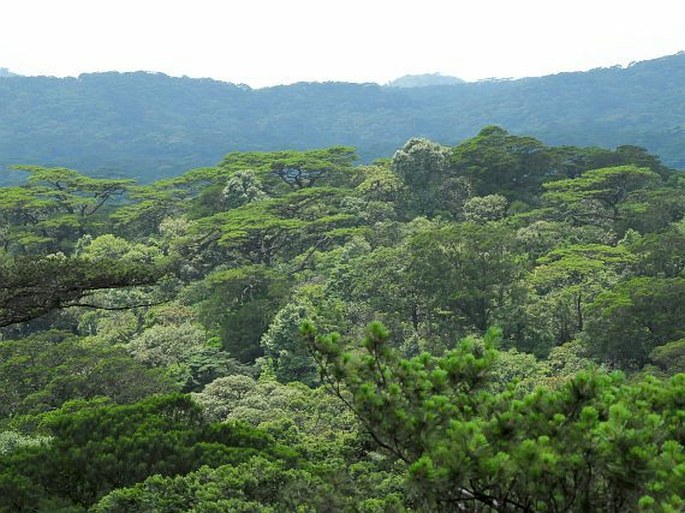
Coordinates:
x,y
425,80
149,125
4,72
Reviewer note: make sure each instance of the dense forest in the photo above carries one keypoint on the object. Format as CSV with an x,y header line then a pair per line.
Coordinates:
x,y
495,326
150,126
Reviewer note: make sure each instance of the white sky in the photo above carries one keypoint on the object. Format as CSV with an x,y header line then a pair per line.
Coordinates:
x,y
267,42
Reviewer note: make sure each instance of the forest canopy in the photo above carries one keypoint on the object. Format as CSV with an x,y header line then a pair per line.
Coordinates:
x,y
491,326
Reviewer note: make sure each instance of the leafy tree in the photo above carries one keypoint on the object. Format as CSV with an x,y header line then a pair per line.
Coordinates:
x,y
661,254
466,271
283,346
280,228
497,162
97,448
294,169
598,196
42,371
237,305
33,286
422,165
55,207
184,352
481,209
312,420
263,486
571,277
628,321
667,359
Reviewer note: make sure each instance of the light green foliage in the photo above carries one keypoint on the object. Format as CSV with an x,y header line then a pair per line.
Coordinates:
x,y
11,441
150,206
312,420
108,247
220,397
183,351
569,278
420,162
113,327
481,209
599,196
276,229
167,345
294,169
430,188
55,205
242,187
380,183
261,486
284,347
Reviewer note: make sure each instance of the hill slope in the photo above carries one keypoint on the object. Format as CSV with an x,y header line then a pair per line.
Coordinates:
x,y
150,125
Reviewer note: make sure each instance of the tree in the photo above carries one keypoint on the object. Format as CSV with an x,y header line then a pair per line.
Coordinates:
x,y
184,352
237,306
497,162
481,209
42,371
263,486
262,232
423,167
594,444
598,195
569,279
626,323
293,169
97,447
283,346
56,207
466,272
33,286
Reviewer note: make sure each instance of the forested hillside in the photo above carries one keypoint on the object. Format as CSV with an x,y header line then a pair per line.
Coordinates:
x,y
149,126
494,326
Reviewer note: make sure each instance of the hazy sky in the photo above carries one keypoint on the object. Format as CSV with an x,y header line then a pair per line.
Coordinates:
x,y
266,42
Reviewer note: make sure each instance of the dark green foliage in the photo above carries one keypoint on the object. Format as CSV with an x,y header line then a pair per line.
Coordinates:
x,y
33,286
600,196
627,322
466,273
42,371
498,162
96,448
237,305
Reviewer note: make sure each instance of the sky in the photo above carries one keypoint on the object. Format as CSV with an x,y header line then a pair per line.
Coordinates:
x,y
269,42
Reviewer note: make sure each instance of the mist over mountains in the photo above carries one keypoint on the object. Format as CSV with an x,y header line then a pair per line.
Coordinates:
x,y
149,125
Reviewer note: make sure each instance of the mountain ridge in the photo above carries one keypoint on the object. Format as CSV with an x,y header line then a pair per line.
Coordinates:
x,y
150,125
